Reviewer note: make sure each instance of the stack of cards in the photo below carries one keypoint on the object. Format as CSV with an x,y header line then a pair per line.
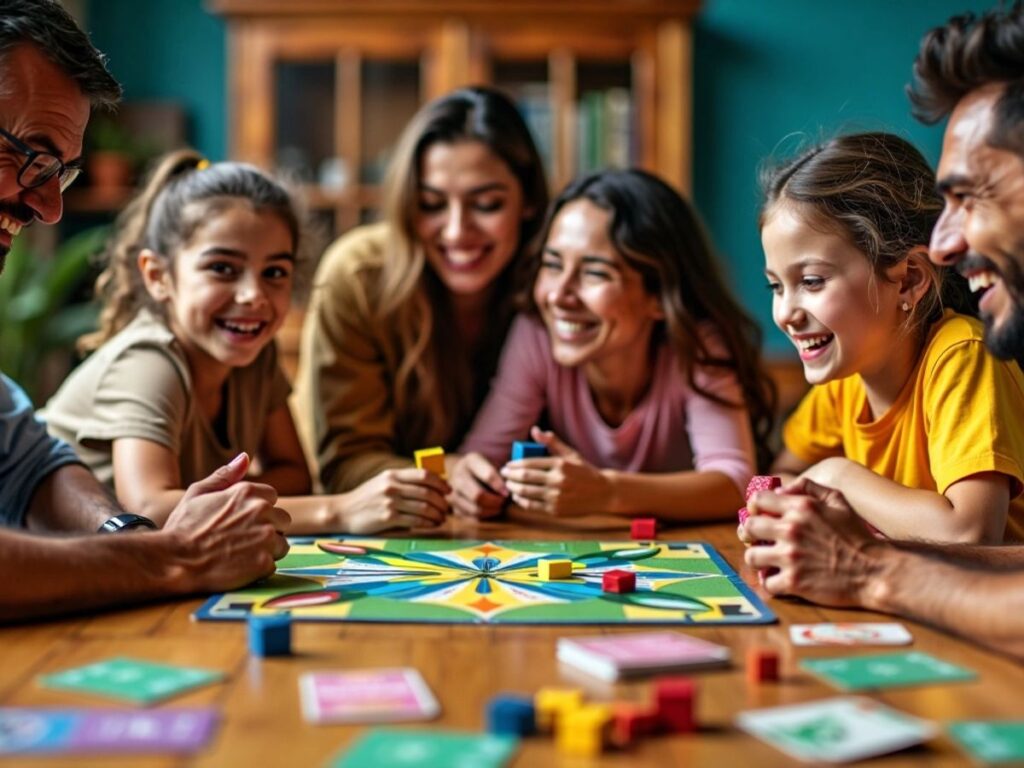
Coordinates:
x,y
836,730
610,657
366,696
860,633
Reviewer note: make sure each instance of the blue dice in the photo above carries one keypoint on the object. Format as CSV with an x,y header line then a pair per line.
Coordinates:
x,y
524,449
270,635
511,715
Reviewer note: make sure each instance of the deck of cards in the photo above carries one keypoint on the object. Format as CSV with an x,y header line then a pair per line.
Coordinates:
x,y
611,657
859,633
366,696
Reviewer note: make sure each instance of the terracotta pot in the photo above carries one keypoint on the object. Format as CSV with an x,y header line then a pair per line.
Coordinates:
x,y
110,170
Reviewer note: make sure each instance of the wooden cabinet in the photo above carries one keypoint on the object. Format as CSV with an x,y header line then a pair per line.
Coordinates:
x,y
322,88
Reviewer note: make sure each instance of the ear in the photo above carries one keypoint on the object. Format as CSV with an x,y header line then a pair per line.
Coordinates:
x,y
916,277
656,310
155,275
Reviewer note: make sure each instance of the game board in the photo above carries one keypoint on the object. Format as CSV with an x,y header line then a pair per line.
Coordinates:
x,y
495,582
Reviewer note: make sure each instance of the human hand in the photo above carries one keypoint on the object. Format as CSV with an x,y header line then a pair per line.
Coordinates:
x,y
562,484
820,549
227,531
478,490
396,498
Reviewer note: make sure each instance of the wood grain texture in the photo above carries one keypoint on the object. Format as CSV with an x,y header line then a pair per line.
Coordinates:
x,y
466,665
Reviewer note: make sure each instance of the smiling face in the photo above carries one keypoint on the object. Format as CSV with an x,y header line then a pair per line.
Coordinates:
x,y
230,289
842,318
46,110
594,304
981,230
469,212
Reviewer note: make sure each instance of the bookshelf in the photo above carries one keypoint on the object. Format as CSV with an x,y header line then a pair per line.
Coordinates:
x,y
321,89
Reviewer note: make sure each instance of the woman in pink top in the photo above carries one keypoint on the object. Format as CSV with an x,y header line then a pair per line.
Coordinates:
x,y
639,360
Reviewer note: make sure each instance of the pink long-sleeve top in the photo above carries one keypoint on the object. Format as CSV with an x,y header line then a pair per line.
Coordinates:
x,y
672,429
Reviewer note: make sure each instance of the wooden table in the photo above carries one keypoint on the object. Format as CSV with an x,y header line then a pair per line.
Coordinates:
x,y
466,665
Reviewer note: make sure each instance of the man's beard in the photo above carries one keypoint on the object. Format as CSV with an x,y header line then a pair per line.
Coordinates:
x,y
1007,342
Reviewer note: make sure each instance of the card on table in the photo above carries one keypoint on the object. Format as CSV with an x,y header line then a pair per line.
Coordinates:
x,y
836,730
366,696
611,657
859,633
397,748
25,730
885,670
140,682
996,741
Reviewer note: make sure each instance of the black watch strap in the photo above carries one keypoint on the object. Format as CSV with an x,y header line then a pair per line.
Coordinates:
x,y
126,522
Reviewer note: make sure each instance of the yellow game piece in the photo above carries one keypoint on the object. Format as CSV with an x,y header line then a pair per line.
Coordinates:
x,y
550,570
550,704
432,460
583,731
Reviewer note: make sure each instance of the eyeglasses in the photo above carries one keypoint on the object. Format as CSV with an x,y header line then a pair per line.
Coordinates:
x,y
40,167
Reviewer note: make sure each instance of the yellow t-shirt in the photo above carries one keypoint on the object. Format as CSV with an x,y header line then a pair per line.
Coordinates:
x,y
960,413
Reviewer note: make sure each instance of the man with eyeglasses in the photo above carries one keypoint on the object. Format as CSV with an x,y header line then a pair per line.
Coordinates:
x,y
50,79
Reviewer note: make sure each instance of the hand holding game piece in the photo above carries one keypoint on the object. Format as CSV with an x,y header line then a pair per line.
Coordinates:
x,y
397,498
478,489
563,485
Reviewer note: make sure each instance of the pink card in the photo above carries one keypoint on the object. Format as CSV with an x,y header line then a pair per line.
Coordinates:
x,y
612,656
366,696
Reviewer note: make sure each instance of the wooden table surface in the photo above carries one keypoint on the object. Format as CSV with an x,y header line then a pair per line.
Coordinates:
x,y
465,665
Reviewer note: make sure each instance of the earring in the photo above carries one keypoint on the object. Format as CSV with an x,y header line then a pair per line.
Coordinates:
x,y
905,306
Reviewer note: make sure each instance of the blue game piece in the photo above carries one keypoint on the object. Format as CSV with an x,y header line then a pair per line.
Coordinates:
x,y
270,635
524,449
511,715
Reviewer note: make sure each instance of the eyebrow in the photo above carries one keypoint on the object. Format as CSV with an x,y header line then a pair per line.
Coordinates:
x,y
46,144
219,251
497,186
589,259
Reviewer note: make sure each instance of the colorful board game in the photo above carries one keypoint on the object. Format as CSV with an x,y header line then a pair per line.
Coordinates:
x,y
495,582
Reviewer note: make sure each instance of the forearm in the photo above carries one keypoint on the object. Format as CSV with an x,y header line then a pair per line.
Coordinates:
x,y
682,496
48,576
987,607
996,558
895,510
70,499
157,506
314,514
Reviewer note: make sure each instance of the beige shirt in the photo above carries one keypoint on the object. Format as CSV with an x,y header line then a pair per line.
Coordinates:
x,y
138,385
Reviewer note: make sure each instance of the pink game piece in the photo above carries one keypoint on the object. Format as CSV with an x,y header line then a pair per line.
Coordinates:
x,y
762,483
643,528
618,580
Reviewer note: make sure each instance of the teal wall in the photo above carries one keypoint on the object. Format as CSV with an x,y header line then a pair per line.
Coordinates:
x,y
764,70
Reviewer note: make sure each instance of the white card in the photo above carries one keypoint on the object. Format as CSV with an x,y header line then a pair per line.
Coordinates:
x,y
860,633
836,730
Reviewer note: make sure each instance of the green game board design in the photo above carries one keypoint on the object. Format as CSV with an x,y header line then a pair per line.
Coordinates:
x,y
494,582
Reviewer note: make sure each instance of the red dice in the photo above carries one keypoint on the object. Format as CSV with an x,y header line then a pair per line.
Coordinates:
x,y
618,580
643,528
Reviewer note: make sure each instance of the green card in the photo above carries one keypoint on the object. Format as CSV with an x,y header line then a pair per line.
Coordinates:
x,y
885,670
140,682
401,748
991,742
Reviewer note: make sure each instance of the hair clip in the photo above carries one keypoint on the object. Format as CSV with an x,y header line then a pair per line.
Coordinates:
x,y
203,164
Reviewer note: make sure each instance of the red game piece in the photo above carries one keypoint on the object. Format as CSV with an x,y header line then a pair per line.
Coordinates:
x,y
643,528
618,580
762,483
632,722
762,665
675,698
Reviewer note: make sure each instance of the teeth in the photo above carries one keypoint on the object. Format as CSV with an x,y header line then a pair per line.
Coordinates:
x,y
979,281
813,342
237,327
9,225
568,327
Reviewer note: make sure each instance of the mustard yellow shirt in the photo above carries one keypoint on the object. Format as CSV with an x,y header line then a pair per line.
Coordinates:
x,y
960,413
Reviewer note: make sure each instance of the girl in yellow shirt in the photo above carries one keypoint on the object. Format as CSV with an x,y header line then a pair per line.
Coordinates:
x,y
909,416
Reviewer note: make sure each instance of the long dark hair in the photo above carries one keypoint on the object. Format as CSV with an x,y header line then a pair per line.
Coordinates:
x,y
659,234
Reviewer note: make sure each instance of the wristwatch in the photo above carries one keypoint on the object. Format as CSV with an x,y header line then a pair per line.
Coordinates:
x,y
126,522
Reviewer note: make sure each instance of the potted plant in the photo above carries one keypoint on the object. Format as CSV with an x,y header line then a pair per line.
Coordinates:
x,y
113,155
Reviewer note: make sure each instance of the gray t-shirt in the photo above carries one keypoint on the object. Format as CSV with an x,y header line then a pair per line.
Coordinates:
x,y
138,385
